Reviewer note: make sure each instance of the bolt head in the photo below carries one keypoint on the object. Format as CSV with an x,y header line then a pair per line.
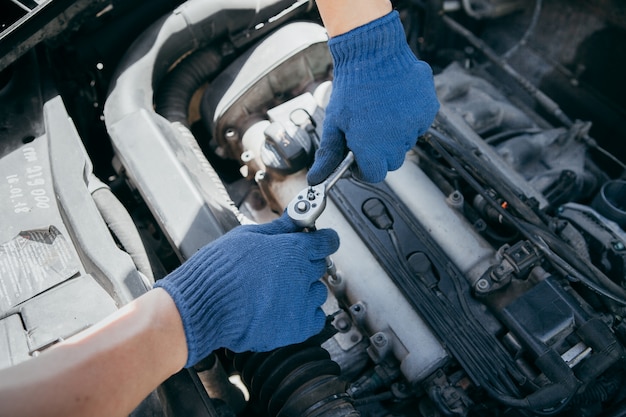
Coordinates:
x,y
342,324
380,340
482,284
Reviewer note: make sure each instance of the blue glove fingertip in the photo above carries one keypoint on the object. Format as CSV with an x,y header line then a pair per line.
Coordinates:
x,y
316,322
371,170
321,243
318,293
326,160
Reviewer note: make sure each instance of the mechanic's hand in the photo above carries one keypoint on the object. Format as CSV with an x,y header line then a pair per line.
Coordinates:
x,y
255,288
383,98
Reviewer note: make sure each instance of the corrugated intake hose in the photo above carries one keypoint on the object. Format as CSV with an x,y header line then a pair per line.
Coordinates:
x,y
174,94
123,228
192,26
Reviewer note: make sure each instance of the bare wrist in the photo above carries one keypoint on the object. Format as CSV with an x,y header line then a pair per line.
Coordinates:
x,y
169,326
341,16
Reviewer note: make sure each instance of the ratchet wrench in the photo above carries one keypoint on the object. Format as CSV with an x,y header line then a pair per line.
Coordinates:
x,y
309,204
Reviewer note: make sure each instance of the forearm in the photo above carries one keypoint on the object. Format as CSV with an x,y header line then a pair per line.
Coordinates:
x,y
341,16
106,370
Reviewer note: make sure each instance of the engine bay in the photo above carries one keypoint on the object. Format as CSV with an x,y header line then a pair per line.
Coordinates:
x,y
484,277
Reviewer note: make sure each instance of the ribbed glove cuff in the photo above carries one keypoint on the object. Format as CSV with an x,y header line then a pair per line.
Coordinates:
x,y
200,300
255,288
370,51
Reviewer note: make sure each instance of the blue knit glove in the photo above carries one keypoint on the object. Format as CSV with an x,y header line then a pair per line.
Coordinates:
x,y
255,288
383,98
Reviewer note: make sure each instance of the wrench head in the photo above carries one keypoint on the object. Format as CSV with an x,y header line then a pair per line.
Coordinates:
x,y
307,206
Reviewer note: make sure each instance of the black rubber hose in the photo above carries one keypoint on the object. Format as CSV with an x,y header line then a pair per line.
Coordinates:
x,y
123,228
192,26
482,169
557,251
175,93
561,254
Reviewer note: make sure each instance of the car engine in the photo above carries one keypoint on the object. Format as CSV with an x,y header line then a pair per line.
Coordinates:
x,y
484,277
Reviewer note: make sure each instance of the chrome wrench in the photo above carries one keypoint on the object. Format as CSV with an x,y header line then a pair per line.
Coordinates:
x,y
308,204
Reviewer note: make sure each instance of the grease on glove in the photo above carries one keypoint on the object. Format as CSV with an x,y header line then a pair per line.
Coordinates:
x,y
255,288
383,98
